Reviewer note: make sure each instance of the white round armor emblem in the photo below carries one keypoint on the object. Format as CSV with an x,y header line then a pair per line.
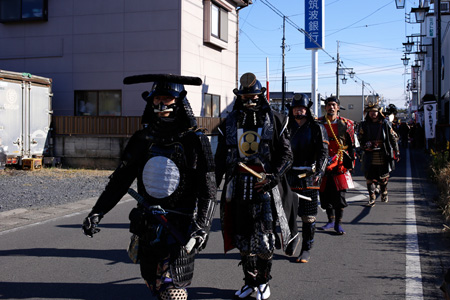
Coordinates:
x,y
161,177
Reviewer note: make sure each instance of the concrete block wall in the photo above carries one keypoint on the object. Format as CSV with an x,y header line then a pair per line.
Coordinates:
x,y
98,152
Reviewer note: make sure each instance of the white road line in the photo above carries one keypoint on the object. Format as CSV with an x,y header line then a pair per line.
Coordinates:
x,y
414,289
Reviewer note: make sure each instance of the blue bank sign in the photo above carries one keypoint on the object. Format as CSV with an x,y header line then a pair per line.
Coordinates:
x,y
314,24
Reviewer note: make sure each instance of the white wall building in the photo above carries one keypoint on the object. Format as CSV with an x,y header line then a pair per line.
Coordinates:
x,y
88,47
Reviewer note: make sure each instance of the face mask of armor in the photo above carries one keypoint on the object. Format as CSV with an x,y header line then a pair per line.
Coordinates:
x,y
300,116
251,104
157,108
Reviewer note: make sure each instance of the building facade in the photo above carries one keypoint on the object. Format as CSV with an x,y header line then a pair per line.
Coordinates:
x,y
88,47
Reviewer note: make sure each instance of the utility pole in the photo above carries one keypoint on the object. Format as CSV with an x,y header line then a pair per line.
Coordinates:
x,y
362,117
338,63
283,84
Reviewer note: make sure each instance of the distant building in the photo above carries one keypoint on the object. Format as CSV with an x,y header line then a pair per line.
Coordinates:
x,y
352,107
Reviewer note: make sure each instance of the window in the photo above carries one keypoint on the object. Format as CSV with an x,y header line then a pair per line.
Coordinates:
x,y
211,105
216,23
23,10
219,22
98,103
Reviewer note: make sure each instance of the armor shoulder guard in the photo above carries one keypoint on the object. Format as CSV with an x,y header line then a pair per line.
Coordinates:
x,y
322,131
281,122
140,139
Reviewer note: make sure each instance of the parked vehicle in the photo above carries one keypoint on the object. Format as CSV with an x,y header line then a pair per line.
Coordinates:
x,y
25,116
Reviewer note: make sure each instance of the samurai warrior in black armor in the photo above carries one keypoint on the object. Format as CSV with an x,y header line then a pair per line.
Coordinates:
x,y
380,151
173,164
254,154
309,142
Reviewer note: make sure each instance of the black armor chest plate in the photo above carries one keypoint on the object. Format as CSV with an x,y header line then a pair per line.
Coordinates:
x,y
374,131
302,144
163,176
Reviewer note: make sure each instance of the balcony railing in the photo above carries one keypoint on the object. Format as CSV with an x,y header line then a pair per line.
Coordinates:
x,y
113,126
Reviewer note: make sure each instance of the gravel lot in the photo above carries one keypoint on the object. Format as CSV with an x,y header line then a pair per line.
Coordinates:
x,y
49,187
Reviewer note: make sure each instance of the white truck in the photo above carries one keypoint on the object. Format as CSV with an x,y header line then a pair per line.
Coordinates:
x,y
25,117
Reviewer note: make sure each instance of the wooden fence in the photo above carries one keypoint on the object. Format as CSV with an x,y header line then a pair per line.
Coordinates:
x,y
113,126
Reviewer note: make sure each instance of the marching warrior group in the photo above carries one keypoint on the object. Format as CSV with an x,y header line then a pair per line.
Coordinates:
x,y
274,168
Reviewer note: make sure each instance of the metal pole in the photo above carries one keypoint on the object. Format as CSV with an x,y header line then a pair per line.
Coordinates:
x,y
267,79
315,80
282,72
338,63
362,118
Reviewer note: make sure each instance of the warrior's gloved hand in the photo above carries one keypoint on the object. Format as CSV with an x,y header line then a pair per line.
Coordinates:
x,y
267,184
90,224
197,241
397,156
317,176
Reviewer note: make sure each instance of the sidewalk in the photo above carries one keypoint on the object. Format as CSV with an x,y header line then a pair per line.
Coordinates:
x,y
21,217
435,243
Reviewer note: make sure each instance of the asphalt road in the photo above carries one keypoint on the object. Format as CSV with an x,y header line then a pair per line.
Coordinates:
x,y
394,250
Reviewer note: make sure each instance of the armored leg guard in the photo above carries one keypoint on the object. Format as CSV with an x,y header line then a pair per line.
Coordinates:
x,y
337,226
250,271
331,218
173,294
264,266
383,190
372,193
308,231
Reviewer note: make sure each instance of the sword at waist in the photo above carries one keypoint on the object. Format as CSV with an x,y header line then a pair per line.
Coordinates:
x,y
159,214
259,176
304,197
308,170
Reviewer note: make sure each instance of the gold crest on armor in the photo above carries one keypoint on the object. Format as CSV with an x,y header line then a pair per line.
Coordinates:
x,y
249,143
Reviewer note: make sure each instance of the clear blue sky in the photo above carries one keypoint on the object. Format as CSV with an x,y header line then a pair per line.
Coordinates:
x,y
370,35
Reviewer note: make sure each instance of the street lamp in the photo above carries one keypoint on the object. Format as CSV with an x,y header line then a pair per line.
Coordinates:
x,y
420,54
420,12
344,80
408,45
415,67
405,60
400,4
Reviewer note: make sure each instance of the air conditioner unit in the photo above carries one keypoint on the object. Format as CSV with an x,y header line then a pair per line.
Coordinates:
x,y
445,7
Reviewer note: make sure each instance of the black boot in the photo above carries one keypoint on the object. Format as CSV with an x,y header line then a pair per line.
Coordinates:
x,y
308,231
337,225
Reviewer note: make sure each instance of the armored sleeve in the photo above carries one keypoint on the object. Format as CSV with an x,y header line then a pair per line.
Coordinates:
x,y
122,178
392,136
321,148
221,155
206,185
282,156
